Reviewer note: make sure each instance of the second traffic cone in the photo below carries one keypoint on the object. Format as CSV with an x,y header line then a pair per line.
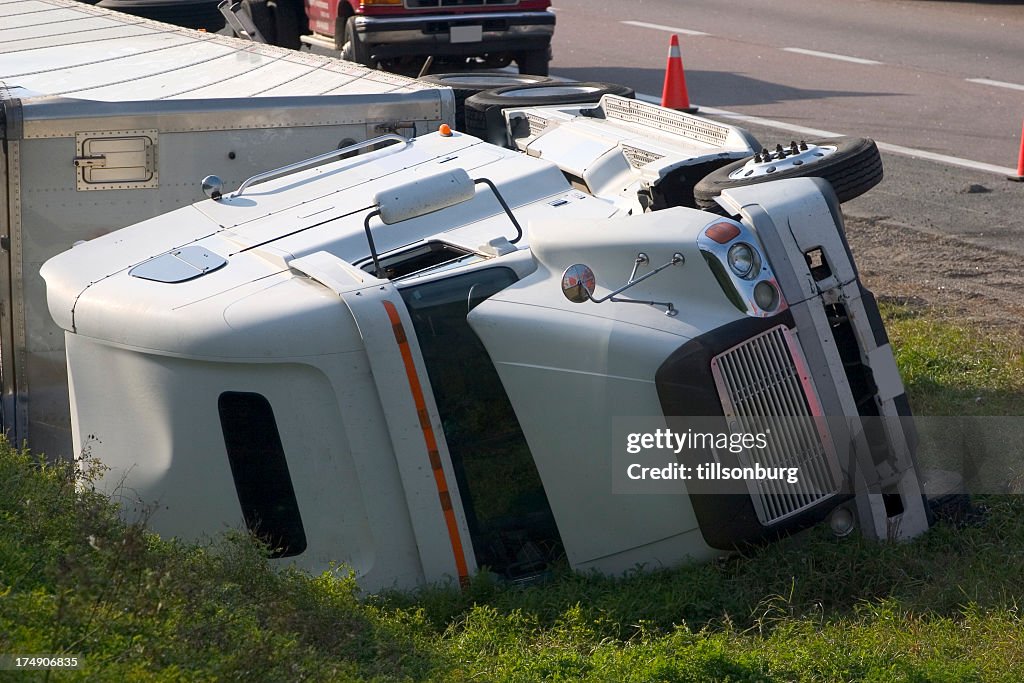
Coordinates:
x,y
673,95
1020,161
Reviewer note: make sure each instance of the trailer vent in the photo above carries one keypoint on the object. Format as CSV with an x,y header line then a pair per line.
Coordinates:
x,y
537,124
764,385
116,160
675,122
638,157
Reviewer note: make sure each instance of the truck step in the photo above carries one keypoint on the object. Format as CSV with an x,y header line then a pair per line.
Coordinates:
x,y
317,40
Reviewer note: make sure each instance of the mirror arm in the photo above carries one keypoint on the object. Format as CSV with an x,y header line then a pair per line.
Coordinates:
x,y
670,309
369,240
642,258
478,181
504,205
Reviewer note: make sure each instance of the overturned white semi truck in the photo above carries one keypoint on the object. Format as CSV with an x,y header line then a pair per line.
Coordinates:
x,y
440,356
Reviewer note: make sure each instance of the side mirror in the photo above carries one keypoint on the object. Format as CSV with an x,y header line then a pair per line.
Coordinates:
x,y
213,187
578,283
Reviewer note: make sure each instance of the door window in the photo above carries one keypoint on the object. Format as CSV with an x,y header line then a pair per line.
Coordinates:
x,y
510,520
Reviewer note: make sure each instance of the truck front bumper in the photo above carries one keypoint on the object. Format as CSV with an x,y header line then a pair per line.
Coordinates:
x,y
473,34
823,365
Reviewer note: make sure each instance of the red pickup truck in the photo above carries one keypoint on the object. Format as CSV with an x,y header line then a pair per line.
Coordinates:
x,y
490,33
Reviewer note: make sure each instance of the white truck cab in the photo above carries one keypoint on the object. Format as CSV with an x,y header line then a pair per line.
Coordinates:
x,y
415,361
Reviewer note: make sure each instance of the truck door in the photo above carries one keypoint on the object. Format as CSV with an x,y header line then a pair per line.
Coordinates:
x,y
510,521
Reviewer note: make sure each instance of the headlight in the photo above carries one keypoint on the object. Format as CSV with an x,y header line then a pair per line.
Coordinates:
x,y
742,260
766,296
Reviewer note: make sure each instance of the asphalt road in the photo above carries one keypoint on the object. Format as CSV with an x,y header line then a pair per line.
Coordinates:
x,y
947,141
942,77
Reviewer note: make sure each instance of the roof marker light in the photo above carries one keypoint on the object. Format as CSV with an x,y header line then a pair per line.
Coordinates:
x,y
445,130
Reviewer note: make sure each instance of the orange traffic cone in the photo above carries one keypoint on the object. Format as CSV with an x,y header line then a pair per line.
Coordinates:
x,y
1020,160
673,95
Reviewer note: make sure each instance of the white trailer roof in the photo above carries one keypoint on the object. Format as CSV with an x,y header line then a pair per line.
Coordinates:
x,y
71,49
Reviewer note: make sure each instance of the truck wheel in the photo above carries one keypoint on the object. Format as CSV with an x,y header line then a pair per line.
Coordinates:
x,y
354,50
197,14
262,18
534,62
468,84
852,165
286,23
484,110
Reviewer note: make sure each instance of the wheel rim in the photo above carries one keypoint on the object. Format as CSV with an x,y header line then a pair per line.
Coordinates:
x,y
486,81
552,91
767,163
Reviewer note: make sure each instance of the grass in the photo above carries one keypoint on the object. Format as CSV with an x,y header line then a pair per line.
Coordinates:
x,y
954,369
75,579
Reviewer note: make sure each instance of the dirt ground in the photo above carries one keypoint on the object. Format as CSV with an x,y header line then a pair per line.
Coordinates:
x,y
955,278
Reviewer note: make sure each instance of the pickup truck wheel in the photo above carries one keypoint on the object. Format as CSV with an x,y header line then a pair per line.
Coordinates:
x,y
468,84
354,50
852,166
484,110
533,62
262,18
197,14
286,23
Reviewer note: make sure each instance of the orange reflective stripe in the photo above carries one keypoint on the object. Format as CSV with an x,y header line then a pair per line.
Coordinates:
x,y
431,442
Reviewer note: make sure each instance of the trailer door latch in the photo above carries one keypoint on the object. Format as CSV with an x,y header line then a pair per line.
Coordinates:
x,y
91,161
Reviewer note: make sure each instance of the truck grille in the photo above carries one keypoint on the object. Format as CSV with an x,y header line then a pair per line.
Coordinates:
x,y
765,385
429,4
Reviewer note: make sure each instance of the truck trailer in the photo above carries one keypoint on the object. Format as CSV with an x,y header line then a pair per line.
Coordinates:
x,y
447,355
108,119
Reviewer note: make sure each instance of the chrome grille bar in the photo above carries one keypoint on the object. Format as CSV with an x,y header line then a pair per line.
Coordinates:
x,y
764,387
423,4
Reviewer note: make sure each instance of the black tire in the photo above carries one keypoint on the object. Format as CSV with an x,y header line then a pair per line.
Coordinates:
x,y
484,110
852,169
534,62
263,18
354,50
286,23
470,83
196,14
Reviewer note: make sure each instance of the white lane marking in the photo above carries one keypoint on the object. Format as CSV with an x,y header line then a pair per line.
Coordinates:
x,y
670,29
829,55
998,84
943,159
771,123
816,132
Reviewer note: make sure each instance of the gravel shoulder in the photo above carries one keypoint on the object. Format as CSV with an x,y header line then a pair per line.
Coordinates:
x,y
947,238
954,278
